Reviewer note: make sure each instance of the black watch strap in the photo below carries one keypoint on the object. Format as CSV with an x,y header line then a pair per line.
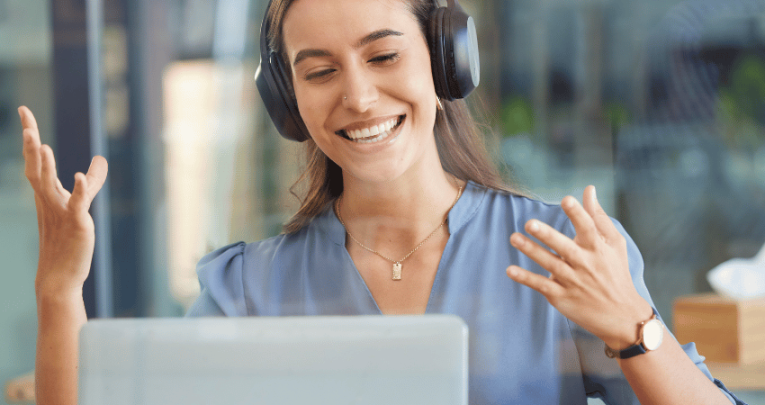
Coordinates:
x,y
631,351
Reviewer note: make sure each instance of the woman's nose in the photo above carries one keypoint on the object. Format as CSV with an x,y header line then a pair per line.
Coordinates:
x,y
360,91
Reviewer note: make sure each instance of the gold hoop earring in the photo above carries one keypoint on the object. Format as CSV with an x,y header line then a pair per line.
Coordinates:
x,y
439,105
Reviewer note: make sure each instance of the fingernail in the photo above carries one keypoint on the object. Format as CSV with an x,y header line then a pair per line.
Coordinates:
x,y
594,193
512,272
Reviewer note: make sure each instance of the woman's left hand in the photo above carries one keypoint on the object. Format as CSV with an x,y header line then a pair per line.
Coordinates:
x,y
589,280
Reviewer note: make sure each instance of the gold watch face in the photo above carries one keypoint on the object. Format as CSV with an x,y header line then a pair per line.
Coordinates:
x,y
653,334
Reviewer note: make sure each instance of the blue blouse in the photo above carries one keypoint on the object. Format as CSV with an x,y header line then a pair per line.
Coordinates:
x,y
522,350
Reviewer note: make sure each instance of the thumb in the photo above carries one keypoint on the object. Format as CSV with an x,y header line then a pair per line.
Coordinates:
x,y
96,175
86,186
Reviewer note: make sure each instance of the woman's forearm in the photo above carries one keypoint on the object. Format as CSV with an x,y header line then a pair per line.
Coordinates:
x,y
60,317
668,376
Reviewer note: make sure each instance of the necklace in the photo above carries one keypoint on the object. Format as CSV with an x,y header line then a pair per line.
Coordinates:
x,y
397,266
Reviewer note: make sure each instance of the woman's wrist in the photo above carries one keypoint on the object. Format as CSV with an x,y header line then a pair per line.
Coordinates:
x,y
626,331
60,315
49,293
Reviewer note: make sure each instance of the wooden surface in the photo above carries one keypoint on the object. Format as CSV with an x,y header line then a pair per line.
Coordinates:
x,y
21,390
724,330
738,377
729,333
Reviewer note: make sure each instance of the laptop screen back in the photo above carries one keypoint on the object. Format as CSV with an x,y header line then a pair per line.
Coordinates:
x,y
286,360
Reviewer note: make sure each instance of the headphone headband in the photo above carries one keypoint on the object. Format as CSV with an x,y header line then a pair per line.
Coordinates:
x,y
454,62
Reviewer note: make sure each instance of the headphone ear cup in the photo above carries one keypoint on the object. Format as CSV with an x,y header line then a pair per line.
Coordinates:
x,y
454,53
294,125
438,61
275,89
279,99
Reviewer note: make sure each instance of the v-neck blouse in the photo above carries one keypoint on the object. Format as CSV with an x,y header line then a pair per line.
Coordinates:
x,y
521,349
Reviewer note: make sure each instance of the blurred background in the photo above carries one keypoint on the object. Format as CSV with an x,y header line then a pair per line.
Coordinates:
x,y
659,103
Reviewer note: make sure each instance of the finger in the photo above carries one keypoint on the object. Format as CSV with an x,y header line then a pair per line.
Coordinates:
x,y
80,200
49,187
86,186
586,232
560,243
27,118
549,261
599,217
31,146
545,286
32,161
96,176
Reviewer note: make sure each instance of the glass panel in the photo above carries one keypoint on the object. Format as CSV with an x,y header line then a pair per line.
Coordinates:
x,y
656,103
226,172
25,63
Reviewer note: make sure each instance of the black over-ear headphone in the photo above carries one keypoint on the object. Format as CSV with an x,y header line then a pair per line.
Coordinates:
x,y
453,54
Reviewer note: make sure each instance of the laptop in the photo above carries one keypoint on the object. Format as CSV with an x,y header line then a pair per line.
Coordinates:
x,y
275,360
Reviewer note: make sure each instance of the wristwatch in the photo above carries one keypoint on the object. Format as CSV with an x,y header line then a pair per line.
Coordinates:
x,y
651,335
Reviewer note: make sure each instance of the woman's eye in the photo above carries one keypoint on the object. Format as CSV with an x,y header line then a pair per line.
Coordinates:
x,y
318,75
385,59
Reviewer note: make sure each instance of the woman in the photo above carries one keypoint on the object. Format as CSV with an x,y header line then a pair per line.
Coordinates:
x,y
399,221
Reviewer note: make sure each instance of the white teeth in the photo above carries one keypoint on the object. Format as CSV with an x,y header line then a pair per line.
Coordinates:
x,y
374,133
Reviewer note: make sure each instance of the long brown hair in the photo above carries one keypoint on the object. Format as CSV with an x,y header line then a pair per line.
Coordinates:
x,y
459,142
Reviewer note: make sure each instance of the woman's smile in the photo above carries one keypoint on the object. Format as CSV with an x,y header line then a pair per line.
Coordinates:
x,y
374,132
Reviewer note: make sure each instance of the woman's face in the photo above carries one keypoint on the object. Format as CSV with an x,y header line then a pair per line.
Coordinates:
x,y
362,78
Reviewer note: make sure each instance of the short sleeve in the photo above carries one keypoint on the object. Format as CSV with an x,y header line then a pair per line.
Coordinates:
x,y
602,376
221,280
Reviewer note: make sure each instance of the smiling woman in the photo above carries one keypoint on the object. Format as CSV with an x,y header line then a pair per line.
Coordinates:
x,y
404,214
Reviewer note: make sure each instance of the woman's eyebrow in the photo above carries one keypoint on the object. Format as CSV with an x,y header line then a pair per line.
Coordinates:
x,y
309,53
374,36
379,34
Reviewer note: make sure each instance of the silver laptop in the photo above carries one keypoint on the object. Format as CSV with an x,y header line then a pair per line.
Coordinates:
x,y
263,360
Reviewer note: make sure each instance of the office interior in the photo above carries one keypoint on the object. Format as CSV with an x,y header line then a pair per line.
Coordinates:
x,y
658,103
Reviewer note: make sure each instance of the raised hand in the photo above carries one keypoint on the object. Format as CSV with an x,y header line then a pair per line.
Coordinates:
x,y
589,280
66,228
67,239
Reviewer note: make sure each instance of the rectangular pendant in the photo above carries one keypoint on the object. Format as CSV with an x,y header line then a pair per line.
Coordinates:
x,y
397,271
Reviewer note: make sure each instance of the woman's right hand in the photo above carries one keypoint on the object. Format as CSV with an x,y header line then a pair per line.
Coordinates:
x,y
66,229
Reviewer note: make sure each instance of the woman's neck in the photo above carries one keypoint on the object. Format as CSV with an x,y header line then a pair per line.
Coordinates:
x,y
405,209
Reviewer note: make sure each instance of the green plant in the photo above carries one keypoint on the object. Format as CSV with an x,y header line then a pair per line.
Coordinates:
x,y
517,117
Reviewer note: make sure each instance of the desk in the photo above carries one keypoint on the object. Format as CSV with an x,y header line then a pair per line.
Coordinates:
x,y
738,377
735,377
21,389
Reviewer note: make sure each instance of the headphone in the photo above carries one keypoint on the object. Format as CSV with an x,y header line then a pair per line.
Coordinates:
x,y
454,60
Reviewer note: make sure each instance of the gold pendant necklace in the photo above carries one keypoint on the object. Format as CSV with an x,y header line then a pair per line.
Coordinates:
x,y
397,264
